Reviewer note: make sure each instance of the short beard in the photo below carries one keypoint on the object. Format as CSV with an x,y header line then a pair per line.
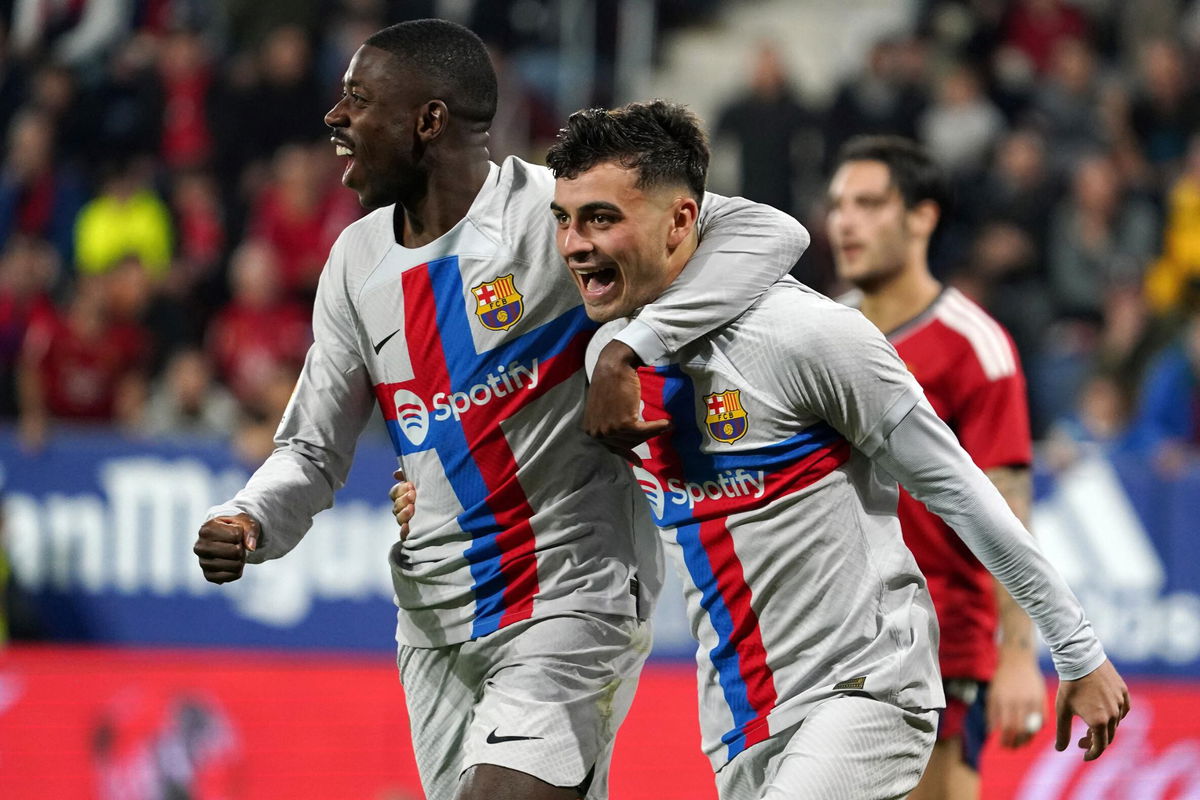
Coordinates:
x,y
878,280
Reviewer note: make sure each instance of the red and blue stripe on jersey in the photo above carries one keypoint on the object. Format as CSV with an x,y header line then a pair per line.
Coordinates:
x,y
702,530
478,460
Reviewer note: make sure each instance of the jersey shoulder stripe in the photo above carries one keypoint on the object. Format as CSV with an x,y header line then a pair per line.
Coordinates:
x,y
987,339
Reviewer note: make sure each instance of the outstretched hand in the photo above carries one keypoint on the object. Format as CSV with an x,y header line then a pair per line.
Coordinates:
x,y
223,544
1101,700
613,412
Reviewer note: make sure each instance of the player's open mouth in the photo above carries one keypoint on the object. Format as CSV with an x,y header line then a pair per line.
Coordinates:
x,y
342,149
596,282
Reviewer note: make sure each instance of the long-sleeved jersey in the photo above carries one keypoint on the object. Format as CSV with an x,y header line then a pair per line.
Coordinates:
x,y
776,496
472,347
969,369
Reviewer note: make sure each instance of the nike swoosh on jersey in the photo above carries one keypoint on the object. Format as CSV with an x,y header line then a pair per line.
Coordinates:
x,y
492,738
385,340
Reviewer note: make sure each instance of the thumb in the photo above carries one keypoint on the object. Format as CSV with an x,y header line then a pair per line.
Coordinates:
x,y
1062,733
250,535
656,426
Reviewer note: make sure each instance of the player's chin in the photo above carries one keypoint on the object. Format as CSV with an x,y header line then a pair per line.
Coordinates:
x,y
602,312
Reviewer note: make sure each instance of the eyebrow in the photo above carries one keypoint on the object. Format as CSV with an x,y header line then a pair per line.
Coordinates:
x,y
587,208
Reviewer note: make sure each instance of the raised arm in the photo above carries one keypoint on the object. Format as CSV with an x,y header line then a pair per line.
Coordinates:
x,y
744,248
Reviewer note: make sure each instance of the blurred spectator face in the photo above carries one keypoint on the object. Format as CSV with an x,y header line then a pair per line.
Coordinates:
x,y
285,56
867,223
1021,158
188,377
53,89
912,61
276,391
182,54
1001,249
770,77
299,174
30,144
1073,66
958,88
88,313
129,288
254,275
883,60
29,267
133,57
1126,317
1102,408
1162,69
1096,185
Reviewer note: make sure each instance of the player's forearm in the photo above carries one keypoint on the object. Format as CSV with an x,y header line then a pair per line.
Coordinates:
x,y
923,454
1016,628
314,447
744,248
1015,485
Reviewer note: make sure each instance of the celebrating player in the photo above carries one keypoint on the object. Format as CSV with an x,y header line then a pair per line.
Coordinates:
x,y
521,585
776,493
886,197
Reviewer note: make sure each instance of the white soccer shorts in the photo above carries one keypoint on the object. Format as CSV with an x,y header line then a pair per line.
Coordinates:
x,y
849,747
543,696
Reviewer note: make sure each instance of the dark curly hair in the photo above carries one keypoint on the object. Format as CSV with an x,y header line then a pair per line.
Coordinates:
x,y
662,141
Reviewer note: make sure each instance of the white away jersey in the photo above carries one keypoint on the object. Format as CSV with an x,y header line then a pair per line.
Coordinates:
x,y
472,347
797,581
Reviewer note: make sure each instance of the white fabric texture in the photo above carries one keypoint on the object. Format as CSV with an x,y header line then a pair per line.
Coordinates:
x,y
947,481
848,748
566,682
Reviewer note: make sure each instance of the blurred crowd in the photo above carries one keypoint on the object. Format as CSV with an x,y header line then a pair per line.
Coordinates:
x,y
1071,133
168,193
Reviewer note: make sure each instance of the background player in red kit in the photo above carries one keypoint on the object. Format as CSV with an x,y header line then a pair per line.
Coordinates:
x,y
885,201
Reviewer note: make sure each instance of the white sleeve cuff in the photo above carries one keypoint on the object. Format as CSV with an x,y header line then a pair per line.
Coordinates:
x,y
643,340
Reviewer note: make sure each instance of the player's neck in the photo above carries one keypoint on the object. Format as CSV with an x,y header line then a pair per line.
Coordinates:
x,y
450,189
680,256
908,294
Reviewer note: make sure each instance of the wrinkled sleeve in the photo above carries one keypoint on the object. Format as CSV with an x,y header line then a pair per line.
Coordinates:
x,y
922,453
744,248
315,441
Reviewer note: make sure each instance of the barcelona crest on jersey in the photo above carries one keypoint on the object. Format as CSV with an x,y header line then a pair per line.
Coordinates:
x,y
724,416
498,304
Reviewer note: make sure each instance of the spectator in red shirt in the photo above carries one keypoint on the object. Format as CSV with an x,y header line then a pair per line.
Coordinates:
x,y
260,329
28,269
186,77
1035,27
80,364
39,195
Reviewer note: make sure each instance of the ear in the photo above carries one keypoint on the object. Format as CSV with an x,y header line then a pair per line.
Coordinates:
x,y
431,121
684,213
923,218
